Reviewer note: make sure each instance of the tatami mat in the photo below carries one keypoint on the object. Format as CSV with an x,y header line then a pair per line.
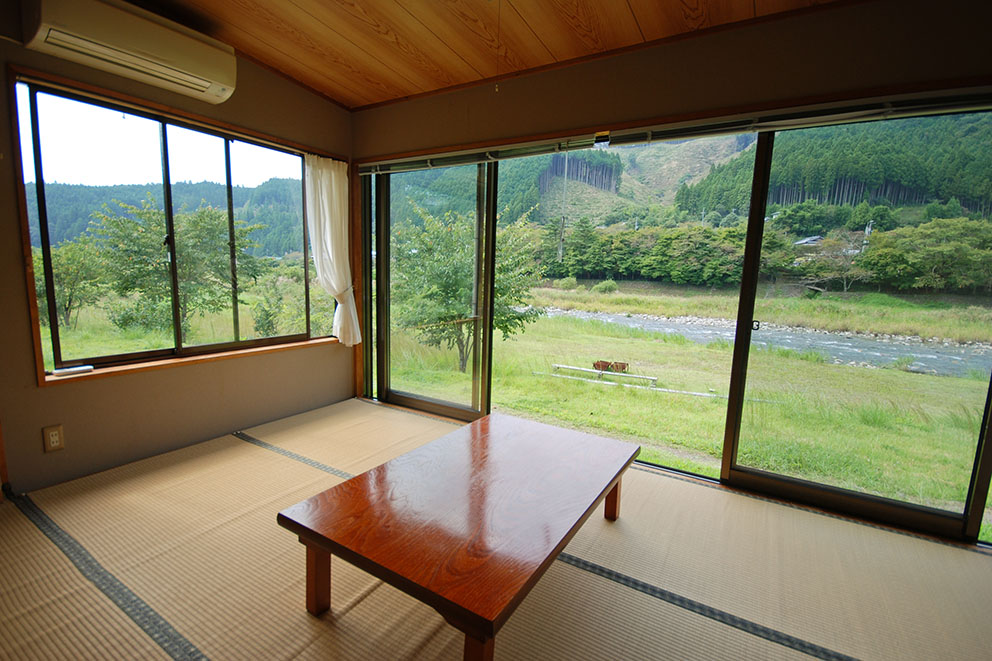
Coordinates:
x,y
353,435
869,592
193,534
49,610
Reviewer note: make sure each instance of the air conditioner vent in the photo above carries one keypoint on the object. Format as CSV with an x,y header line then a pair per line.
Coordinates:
x,y
130,42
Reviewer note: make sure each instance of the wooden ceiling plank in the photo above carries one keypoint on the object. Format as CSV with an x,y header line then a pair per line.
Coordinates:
x,y
332,40
257,48
384,31
519,47
292,35
476,28
665,19
365,52
576,28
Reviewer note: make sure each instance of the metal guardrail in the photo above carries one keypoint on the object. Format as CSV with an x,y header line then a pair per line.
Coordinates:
x,y
634,385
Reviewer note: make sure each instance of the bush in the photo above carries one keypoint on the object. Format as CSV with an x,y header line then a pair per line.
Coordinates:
x,y
566,283
141,313
264,317
605,287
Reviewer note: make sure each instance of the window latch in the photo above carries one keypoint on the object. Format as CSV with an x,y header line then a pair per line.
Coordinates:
x,y
755,325
167,241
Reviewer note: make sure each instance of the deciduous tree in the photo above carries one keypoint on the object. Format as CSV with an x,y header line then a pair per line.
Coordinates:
x,y
433,267
133,246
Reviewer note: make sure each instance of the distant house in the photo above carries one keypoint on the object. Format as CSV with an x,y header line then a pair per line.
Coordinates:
x,y
809,241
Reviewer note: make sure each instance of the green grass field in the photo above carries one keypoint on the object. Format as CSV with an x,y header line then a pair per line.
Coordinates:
x,y
880,431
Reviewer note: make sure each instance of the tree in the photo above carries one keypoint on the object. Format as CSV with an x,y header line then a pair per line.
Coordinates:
x,y
132,245
880,217
837,260
76,274
583,250
946,253
433,279
778,254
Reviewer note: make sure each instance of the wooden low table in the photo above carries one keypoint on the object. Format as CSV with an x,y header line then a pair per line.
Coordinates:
x,y
467,523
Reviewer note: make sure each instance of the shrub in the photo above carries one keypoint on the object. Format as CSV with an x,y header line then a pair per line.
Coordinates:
x,y
141,313
605,287
566,283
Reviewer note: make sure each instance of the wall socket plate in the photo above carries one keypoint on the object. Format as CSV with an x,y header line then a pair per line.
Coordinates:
x,y
53,438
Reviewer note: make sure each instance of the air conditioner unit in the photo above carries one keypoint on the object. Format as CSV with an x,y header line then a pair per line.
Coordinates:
x,y
133,43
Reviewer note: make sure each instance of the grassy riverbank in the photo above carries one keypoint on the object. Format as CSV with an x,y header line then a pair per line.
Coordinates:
x,y
957,319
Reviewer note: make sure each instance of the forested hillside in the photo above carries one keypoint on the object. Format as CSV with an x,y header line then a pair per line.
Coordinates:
x,y
909,162
276,204
618,204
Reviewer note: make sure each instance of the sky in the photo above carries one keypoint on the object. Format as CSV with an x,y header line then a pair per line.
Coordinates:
x,y
87,144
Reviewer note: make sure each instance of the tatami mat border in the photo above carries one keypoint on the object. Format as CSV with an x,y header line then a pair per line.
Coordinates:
x,y
709,484
151,622
696,607
699,608
292,455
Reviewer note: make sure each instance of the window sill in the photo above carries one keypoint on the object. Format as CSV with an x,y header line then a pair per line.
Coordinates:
x,y
165,363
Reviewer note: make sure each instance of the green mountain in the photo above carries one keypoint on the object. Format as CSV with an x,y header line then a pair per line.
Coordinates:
x,y
929,167
276,203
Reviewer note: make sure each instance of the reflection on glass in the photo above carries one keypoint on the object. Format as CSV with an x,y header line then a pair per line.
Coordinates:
x,y
111,269
198,170
634,254
872,241
268,217
433,311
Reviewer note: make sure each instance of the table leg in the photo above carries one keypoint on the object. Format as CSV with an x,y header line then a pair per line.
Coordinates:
x,y
613,502
318,580
478,650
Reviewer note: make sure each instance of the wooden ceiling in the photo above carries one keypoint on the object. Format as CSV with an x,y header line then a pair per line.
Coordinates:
x,y
364,52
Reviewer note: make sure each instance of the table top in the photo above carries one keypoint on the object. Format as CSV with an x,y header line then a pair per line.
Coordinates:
x,y
467,523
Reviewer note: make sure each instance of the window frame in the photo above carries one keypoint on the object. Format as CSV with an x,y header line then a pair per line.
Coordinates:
x,y
178,353
963,526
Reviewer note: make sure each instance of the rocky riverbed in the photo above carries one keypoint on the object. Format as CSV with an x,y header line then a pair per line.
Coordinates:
x,y
869,350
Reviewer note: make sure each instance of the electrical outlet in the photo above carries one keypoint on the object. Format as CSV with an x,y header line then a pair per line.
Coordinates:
x,y
53,437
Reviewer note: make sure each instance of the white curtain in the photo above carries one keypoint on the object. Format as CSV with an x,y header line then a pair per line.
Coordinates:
x,y
327,221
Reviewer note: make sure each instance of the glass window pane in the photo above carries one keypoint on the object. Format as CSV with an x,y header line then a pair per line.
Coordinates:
x,y
985,532
617,283
268,217
103,190
34,227
198,170
871,366
433,308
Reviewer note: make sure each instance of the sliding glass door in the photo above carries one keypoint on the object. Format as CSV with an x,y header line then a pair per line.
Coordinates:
x,y
867,366
432,237
850,369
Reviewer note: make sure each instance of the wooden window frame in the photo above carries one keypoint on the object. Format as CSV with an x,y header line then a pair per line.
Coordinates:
x,y
178,354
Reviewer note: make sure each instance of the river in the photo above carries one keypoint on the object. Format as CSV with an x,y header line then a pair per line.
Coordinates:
x,y
928,356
